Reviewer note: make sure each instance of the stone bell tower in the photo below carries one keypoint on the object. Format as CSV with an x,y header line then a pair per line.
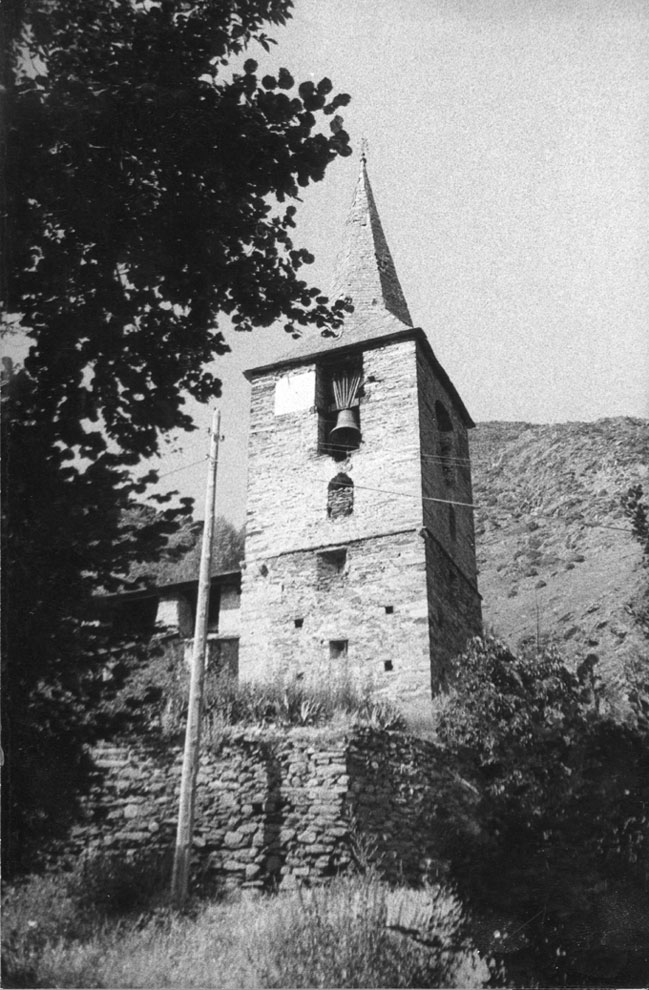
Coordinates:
x,y
360,556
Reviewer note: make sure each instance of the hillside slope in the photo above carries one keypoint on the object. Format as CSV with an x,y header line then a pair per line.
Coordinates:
x,y
556,556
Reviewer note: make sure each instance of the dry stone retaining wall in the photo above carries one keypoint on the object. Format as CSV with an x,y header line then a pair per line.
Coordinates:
x,y
276,809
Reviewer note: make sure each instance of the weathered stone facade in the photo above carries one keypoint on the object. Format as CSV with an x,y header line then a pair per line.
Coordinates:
x,y
276,808
404,599
288,574
454,609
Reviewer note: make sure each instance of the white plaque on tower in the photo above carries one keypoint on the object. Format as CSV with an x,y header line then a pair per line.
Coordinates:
x,y
293,393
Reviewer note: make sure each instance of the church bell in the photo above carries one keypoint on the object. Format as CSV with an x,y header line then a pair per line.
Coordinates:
x,y
345,433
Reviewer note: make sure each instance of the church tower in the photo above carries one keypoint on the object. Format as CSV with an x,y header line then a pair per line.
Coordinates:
x,y
360,554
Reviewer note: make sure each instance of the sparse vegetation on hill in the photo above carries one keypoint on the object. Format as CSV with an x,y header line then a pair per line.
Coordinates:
x,y
557,558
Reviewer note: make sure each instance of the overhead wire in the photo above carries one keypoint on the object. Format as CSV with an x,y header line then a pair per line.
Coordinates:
x,y
424,498
184,467
441,458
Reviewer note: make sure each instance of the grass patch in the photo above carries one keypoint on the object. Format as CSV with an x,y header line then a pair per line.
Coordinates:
x,y
356,932
284,704
148,689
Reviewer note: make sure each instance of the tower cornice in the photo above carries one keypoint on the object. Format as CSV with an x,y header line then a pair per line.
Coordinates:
x,y
342,346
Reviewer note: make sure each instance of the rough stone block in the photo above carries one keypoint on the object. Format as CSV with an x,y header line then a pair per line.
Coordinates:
x,y
235,839
234,866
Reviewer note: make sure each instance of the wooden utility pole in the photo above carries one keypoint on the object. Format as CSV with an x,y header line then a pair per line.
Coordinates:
x,y
183,851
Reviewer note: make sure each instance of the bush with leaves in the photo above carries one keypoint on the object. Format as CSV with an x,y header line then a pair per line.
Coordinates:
x,y
560,841
360,933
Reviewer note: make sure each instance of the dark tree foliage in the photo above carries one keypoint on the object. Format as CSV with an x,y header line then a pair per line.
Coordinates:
x,y
557,851
637,510
180,559
148,176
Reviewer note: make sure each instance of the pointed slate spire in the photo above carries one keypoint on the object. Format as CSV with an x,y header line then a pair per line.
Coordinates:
x,y
365,269
365,272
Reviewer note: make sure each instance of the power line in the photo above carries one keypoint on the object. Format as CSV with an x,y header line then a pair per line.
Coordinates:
x,y
342,448
183,467
424,498
622,529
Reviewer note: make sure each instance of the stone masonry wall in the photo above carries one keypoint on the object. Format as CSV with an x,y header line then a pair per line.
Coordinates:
x,y
454,610
288,478
436,483
406,599
454,603
288,524
276,809
377,603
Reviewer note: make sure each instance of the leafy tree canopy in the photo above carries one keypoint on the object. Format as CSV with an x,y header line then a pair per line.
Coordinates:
x,y
150,178
142,175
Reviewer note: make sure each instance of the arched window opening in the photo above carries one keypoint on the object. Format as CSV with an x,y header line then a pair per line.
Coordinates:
x,y
340,496
445,440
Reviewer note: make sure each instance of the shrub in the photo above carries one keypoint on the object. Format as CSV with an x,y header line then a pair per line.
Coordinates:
x,y
36,913
559,837
359,933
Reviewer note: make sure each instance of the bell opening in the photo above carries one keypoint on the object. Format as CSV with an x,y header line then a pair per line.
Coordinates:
x,y
345,435
338,398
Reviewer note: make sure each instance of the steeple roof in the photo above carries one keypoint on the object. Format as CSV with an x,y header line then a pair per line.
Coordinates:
x,y
365,269
366,273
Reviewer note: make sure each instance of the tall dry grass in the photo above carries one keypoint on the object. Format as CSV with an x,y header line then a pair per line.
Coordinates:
x,y
356,932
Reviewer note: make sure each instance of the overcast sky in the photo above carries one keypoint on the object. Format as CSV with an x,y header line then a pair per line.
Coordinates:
x,y
508,152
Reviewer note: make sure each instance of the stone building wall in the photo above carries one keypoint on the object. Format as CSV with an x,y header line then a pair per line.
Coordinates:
x,y
454,603
288,478
453,608
376,604
405,599
445,482
276,809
